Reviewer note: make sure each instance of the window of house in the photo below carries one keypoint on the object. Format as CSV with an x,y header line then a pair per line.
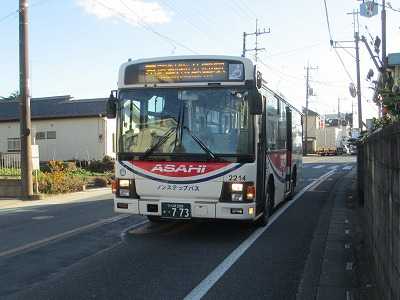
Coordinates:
x,y
51,135
41,135
13,145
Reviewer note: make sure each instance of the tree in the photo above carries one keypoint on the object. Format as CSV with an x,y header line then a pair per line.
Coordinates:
x,y
13,96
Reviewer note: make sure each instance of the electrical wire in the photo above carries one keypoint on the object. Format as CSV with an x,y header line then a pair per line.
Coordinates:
x,y
331,39
244,10
9,15
186,19
151,29
247,7
145,26
294,51
16,12
347,51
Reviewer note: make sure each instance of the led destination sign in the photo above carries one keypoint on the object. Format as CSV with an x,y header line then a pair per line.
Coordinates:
x,y
184,71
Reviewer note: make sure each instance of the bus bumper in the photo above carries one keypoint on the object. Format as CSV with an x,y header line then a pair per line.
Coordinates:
x,y
199,209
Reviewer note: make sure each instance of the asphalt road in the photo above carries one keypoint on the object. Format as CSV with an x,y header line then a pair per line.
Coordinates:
x,y
85,251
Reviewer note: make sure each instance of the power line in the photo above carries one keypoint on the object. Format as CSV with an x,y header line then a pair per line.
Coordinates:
x,y
294,50
149,28
331,41
16,12
327,21
244,10
184,17
9,15
247,7
145,26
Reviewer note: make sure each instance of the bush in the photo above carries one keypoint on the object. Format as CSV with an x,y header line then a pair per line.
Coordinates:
x,y
101,166
100,182
60,180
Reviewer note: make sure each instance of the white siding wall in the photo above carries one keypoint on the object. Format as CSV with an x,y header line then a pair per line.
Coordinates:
x,y
77,138
312,125
111,137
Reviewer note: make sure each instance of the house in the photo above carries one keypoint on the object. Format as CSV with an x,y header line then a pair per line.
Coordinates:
x,y
63,127
313,123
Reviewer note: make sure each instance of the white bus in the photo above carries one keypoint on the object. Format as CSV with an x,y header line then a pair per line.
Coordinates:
x,y
202,137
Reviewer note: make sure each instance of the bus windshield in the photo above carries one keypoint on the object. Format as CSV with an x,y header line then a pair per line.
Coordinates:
x,y
213,122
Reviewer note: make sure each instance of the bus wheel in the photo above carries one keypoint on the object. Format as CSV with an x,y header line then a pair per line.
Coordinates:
x,y
268,207
293,184
154,219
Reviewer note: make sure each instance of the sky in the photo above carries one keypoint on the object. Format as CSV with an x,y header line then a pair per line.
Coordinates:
x,y
77,46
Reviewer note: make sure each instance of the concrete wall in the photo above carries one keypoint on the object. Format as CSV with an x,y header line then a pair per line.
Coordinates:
x,y
76,138
10,188
379,189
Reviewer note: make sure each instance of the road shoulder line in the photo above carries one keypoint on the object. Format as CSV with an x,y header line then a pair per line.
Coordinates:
x,y
60,236
207,283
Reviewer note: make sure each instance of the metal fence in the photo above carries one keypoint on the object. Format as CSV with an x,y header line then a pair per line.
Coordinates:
x,y
10,165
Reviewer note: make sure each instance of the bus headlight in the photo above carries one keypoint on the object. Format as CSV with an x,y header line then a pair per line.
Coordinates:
x,y
238,192
126,188
237,187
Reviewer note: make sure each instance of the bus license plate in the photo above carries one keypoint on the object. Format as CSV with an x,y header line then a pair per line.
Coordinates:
x,y
176,210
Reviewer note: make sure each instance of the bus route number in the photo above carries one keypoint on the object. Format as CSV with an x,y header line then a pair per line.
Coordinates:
x,y
237,178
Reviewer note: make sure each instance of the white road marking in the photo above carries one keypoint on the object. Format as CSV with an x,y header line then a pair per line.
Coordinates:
x,y
207,283
347,231
347,246
318,166
5,211
37,244
348,295
349,266
333,167
42,217
347,168
318,182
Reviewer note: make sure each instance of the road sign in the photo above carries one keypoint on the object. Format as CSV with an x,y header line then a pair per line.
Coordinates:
x,y
368,9
35,157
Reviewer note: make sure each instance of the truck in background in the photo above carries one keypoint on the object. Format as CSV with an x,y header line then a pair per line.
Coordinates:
x,y
330,141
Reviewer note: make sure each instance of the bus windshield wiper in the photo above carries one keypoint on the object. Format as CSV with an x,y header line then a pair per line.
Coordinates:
x,y
201,144
161,141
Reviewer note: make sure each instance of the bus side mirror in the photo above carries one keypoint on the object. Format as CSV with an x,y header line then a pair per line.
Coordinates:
x,y
255,103
112,106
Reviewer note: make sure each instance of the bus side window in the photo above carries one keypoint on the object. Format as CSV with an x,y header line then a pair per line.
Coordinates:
x,y
272,123
282,126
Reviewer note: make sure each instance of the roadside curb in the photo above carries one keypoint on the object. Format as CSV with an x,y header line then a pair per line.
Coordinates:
x,y
98,194
329,270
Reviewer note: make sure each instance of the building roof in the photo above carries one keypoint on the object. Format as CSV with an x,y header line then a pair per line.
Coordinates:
x,y
55,108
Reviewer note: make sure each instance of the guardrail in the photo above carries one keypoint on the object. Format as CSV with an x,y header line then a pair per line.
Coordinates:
x,y
10,165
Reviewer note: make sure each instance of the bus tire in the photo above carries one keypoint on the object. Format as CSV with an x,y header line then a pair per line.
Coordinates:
x,y
154,219
268,207
293,183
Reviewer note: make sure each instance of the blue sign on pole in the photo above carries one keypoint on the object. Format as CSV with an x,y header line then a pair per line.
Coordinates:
x,y
368,9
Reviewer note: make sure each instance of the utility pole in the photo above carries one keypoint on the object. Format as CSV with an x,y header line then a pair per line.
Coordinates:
x,y
357,40
25,111
383,17
256,33
308,69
